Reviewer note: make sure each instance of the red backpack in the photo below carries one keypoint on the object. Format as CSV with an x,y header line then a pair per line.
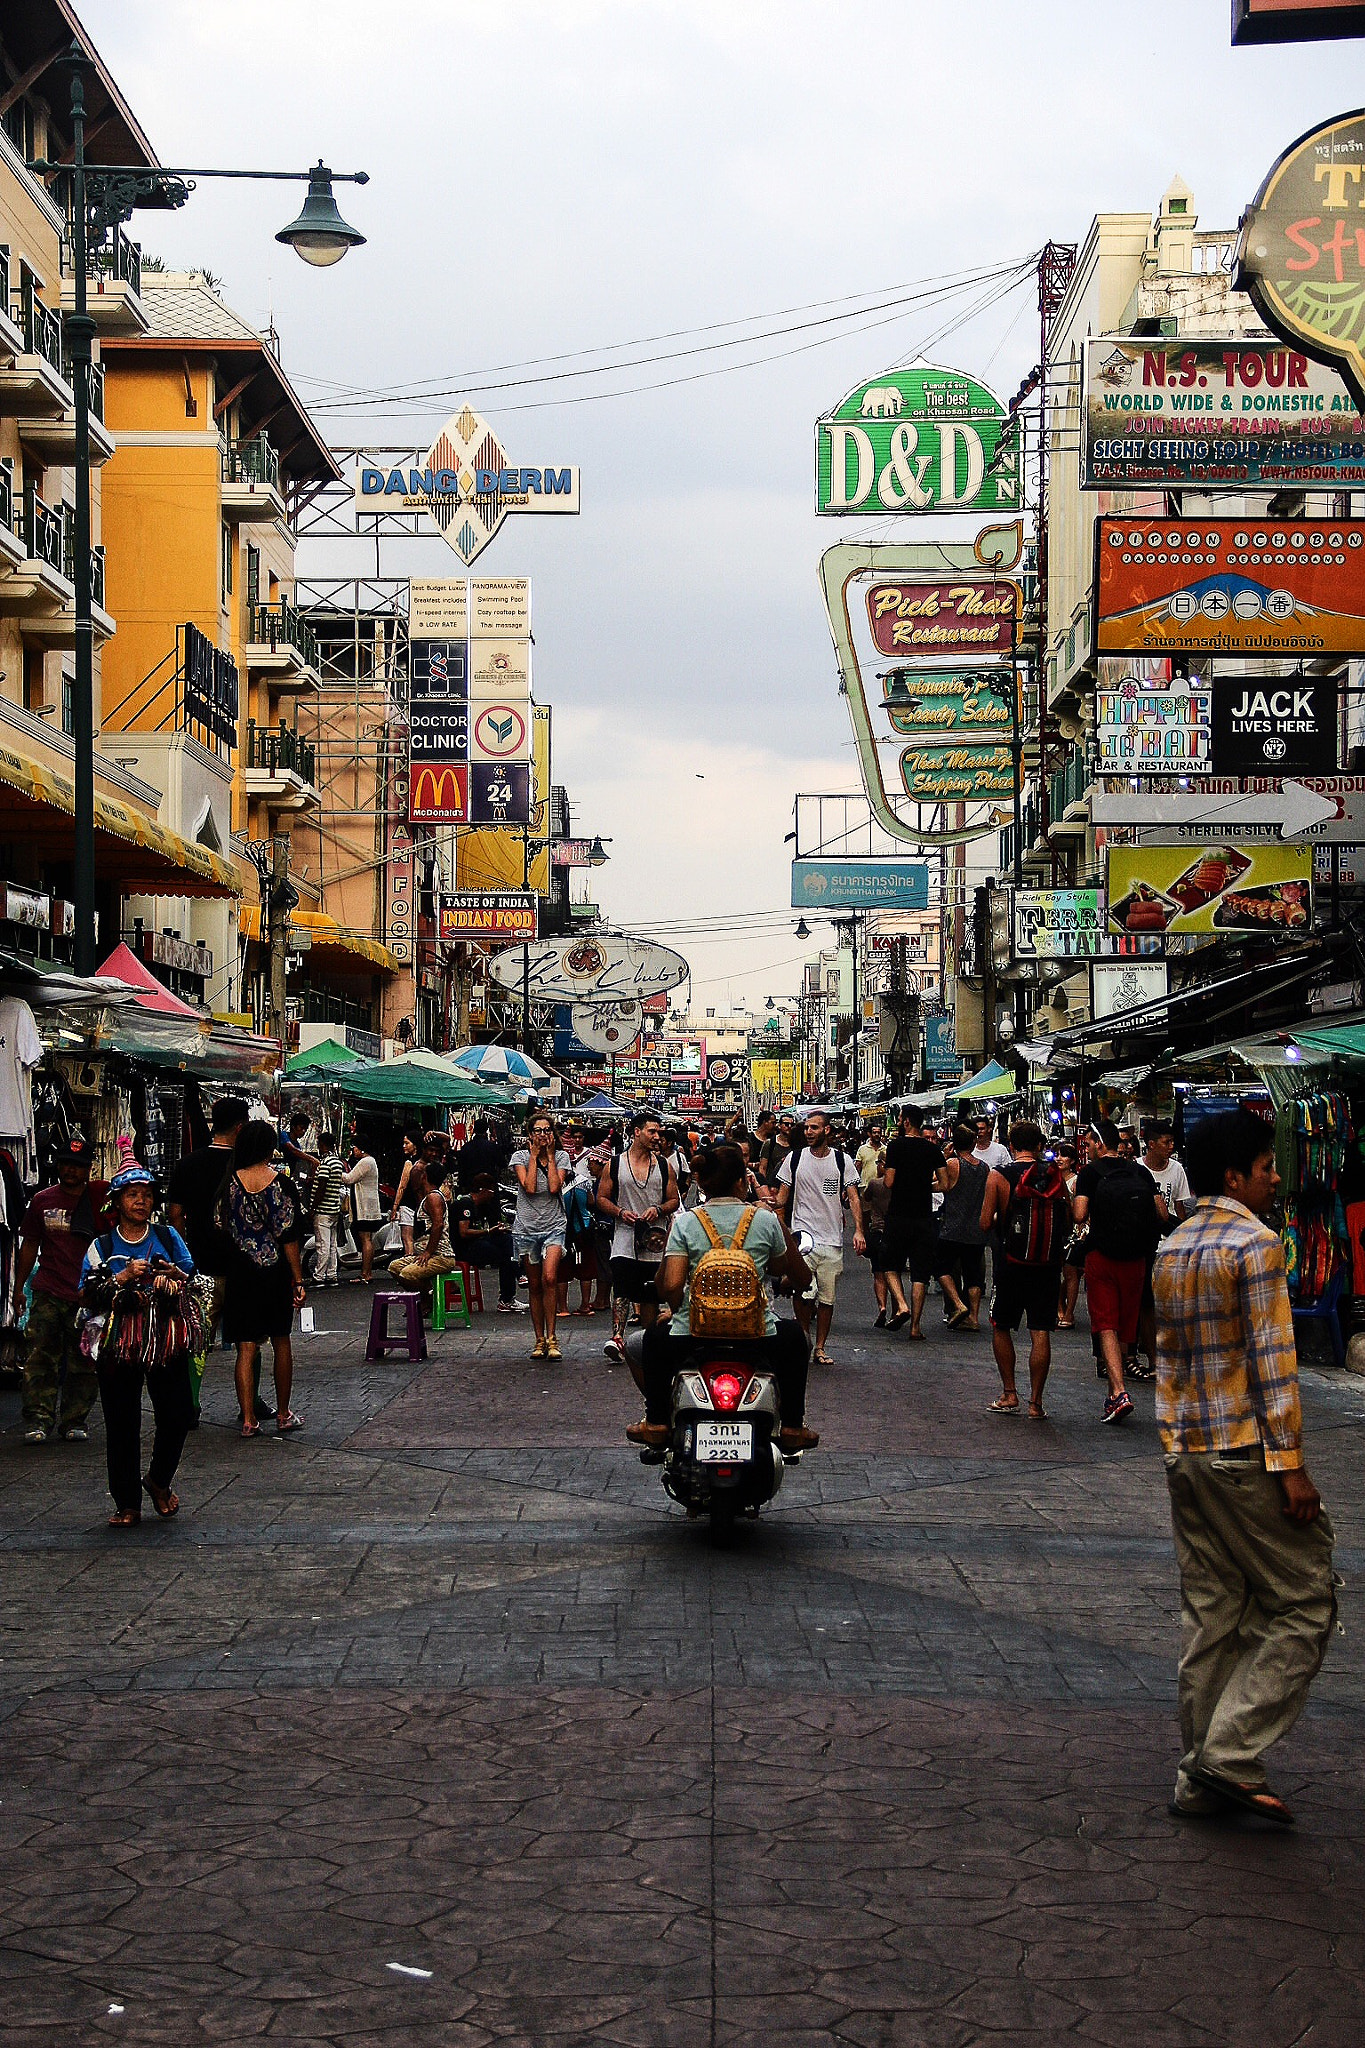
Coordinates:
x,y
1038,1220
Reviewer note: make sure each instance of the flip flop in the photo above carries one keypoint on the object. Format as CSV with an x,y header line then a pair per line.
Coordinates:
x,y
286,1424
1036,1414
821,1358
1003,1407
915,1337
1253,1798
251,1429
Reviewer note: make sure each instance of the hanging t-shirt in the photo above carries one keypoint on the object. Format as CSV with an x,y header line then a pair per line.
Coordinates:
x,y
20,1051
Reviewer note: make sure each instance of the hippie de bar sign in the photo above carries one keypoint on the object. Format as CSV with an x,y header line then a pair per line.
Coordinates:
x,y
465,483
917,440
1253,585
1218,415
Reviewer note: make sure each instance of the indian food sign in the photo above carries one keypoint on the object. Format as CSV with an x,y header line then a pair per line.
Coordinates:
x,y
1301,251
914,441
1220,887
1251,586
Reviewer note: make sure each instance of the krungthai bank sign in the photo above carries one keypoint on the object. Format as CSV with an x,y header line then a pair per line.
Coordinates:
x,y
466,483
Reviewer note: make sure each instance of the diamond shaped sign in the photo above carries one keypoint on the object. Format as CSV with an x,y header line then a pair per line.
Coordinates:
x,y
466,483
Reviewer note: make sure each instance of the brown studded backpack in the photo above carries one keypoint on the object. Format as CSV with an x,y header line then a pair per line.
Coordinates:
x,y
726,1298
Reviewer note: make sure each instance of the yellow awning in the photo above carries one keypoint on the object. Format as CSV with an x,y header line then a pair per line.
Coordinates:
x,y
154,859
326,934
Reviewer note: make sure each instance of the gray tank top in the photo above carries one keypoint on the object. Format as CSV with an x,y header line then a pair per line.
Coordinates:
x,y
635,1197
959,1220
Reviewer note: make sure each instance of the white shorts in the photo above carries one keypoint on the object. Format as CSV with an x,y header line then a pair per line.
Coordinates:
x,y
406,1218
826,1262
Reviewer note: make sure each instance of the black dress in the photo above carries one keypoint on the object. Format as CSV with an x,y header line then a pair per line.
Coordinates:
x,y
259,1300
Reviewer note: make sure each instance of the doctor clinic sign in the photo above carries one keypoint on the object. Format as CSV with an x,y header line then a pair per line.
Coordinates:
x,y
917,440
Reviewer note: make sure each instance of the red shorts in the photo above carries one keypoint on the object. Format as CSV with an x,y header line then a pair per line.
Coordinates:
x,y
1113,1293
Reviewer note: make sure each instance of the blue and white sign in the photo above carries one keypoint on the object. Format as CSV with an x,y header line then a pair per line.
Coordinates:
x,y
466,483
940,1054
860,885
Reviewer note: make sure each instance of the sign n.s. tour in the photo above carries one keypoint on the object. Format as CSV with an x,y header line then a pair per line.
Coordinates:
x,y
466,483
1301,251
921,439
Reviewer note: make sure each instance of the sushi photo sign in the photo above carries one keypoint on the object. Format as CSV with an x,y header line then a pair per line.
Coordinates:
x,y
1219,888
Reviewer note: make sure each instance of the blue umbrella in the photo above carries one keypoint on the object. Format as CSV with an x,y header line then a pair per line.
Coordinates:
x,y
500,1063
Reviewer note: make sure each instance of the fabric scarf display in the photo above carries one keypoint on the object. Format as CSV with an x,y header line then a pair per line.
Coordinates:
x,y
1316,1245
138,1326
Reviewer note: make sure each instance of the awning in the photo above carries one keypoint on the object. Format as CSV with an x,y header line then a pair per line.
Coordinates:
x,y
988,1082
37,804
326,934
1345,1040
1271,978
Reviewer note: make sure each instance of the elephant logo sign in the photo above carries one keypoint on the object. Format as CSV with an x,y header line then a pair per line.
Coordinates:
x,y
882,402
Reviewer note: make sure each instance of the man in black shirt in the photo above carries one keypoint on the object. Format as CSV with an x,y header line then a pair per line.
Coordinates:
x,y
478,1238
480,1154
191,1203
914,1170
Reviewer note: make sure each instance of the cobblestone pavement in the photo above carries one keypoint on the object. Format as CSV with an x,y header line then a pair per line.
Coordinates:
x,y
446,1683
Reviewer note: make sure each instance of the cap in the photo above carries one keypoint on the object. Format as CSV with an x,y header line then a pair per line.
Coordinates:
x,y
77,1151
131,1177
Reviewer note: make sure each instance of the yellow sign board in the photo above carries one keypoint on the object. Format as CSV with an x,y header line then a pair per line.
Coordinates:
x,y
1219,887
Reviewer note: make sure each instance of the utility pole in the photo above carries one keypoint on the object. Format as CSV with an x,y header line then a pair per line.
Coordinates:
x,y
80,330
281,896
526,948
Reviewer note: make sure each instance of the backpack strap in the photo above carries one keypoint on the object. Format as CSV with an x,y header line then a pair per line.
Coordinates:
x,y
737,1241
709,1227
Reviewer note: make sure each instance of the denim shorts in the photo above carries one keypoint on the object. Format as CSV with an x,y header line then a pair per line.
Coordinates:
x,y
532,1244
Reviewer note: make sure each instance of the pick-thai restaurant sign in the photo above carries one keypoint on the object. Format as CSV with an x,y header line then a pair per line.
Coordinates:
x,y
1215,415
465,483
1288,724
914,441
965,701
1219,887
974,615
1256,586
1162,728
1300,254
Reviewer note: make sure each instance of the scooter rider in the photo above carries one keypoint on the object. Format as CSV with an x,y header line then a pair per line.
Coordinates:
x,y
668,1347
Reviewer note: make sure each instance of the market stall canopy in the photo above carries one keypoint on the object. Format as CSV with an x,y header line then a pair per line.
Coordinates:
x,y
37,806
326,935
993,1079
500,1063
324,1058
419,1080
1346,1040
124,965
601,1105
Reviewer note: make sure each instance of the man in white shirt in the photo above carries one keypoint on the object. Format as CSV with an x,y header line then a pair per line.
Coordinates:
x,y
989,1150
1169,1175
866,1159
814,1189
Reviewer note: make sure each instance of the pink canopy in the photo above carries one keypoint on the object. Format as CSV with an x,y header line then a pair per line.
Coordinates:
x,y
123,965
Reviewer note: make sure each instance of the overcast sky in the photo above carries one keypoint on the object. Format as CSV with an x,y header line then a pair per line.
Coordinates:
x,y
551,176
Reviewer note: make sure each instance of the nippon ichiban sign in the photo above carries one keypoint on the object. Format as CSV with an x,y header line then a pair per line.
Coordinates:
x,y
1253,585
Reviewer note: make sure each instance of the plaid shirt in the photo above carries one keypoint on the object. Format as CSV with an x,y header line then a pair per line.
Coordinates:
x,y
1227,1373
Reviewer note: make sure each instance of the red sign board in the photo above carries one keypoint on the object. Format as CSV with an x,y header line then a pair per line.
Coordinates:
x,y
973,615
439,793
1250,586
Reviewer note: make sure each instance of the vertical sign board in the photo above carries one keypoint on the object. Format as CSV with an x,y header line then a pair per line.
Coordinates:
x,y
470,701
398,869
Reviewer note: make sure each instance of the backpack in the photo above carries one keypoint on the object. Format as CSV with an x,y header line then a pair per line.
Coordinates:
x,y
1123,1221
726,1298
1038,1219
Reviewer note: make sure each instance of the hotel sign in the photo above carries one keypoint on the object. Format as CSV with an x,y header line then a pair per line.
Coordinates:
x,y
465,483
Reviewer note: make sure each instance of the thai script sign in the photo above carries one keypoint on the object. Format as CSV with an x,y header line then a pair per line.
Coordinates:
x,y
934,774
1300,254
490,914
974,615
1230,586
1219,415
917,440
860,885
1346,792
1160,730
1059,924
960,700
941,1055
1217,887
465,483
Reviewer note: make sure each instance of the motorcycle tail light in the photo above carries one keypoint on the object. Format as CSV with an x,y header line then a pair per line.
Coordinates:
x,y
753,1392
695,1387
726,1388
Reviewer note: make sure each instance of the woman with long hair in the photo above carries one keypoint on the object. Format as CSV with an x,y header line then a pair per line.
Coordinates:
x,y
543,1171
260,1219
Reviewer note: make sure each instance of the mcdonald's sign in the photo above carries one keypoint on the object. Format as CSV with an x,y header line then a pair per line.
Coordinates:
x,y
439,793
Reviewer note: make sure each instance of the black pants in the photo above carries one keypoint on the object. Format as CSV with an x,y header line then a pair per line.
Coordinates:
x,y
786,1354
495,1249
121,1400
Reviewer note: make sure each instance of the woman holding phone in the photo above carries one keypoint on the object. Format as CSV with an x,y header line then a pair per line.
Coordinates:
x,y
543,1171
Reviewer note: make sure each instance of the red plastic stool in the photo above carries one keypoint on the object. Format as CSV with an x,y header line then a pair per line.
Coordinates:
x,y
413,1339
473,1289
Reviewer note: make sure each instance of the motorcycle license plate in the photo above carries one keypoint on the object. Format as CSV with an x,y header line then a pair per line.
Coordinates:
x,y
725,1443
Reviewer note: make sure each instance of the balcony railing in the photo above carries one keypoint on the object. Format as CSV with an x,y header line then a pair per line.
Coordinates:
x,y
48,533
120,259
40,325
282,625
7,496
44,532
251,462
95,386
4,275
1069,784
280,752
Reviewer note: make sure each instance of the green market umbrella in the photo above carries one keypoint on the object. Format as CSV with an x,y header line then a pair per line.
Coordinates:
x,y
324,1058
420,1080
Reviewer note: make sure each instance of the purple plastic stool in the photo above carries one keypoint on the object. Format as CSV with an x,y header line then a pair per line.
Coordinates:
x,y
414,1337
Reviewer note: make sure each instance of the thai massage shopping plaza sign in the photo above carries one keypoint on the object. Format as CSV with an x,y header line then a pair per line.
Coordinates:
x,y
465,483
917,440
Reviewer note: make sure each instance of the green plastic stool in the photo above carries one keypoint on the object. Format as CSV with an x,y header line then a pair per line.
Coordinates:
x,y
457,1305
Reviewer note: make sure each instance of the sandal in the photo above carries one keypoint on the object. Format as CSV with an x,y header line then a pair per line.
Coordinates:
x,y
821,1358
126,1518
251,1429
162,1499
1036,1414
1004,1407
286,1424
1254,1798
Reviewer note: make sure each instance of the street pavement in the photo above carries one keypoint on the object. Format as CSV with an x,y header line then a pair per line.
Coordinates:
x,y
439,1725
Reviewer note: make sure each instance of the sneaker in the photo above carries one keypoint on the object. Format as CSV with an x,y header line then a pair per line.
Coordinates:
x,y
615,1350
76,1436
507,1308
264,1413
1117,1408
1138,1371
35,1435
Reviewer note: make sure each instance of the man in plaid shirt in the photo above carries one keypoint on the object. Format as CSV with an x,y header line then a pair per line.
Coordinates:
x,y
1253,1542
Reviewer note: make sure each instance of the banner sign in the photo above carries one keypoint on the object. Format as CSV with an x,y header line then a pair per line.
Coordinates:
x,y
774,1079
975,615
491,914
1285,723
967,701
1347,828
1230,586
1214,888
1299,255
963,774
1118,985
398,858
1059,924
860,885
917,440
469,700
1165,729
1215,415
464,483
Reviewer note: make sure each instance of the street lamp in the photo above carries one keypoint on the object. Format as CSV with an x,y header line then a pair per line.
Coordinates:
x,y
102,196
803,930
597,853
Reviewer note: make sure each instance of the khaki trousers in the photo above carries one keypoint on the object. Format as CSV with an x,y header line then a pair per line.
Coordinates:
x,y
1256,1610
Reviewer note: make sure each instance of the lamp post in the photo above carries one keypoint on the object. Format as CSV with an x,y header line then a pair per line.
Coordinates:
x,y
104,195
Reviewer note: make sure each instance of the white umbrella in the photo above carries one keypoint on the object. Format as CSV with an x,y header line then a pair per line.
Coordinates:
x,y
500,1063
